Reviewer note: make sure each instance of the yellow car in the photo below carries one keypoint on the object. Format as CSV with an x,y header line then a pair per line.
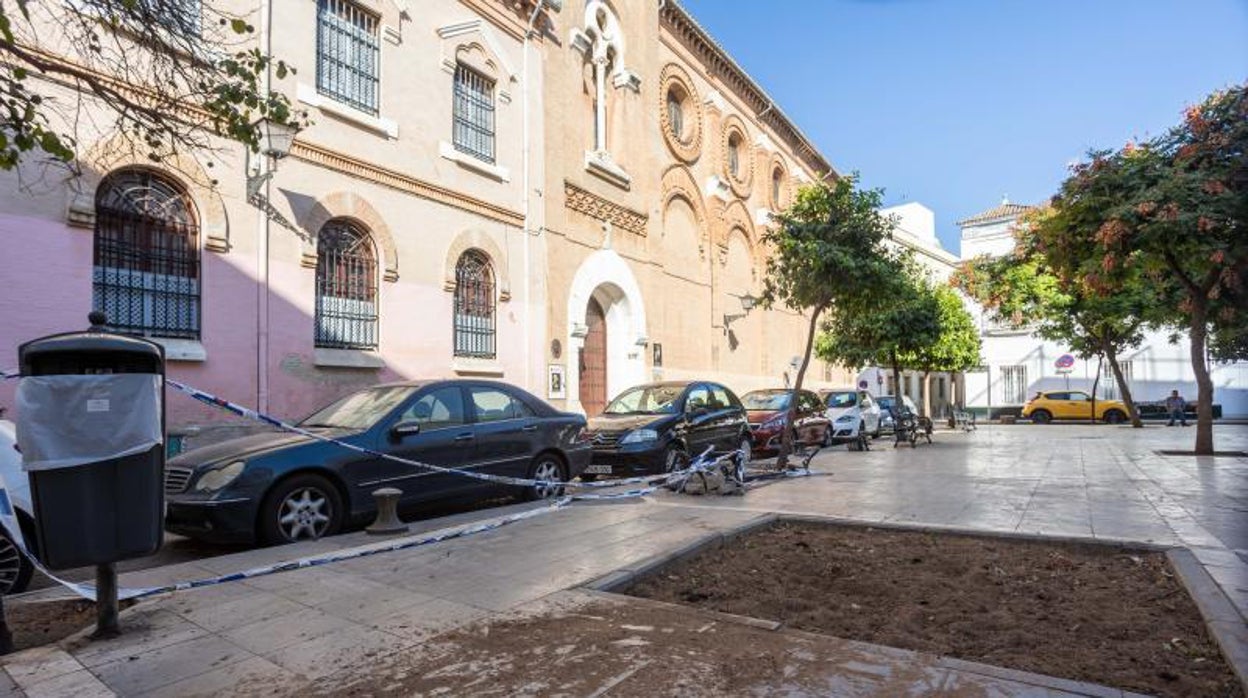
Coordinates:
x,y
1072,404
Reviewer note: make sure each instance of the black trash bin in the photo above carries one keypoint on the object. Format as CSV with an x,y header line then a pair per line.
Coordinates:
x,y
91,428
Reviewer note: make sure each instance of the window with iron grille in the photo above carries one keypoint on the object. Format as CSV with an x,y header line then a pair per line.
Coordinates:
x,y
676,114
474,306
1014,385
347,54
145,276
473,122
346,287
1110,382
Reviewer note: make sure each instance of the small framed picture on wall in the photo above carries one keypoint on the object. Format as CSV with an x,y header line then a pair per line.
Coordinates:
x,y
556,384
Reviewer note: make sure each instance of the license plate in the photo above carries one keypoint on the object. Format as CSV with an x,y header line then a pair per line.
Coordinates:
x,y
598,470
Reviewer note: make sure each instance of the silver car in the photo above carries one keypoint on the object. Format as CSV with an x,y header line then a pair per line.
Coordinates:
x,y
885,403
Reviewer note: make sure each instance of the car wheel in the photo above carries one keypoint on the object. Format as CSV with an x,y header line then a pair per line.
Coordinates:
x,y
15,568
547,467
1114,417
674,458
305,507
1041,417
827,437
745,447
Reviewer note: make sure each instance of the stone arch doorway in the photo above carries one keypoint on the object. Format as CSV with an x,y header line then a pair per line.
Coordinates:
x,y
593,368
606,333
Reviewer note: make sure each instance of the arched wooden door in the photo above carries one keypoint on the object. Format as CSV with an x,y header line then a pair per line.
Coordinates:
x,y
593,375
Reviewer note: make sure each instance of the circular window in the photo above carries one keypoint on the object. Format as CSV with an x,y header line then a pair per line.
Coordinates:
x,y
679,114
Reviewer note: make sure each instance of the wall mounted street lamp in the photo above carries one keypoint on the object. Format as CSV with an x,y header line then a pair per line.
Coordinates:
x,y
747,304
274,142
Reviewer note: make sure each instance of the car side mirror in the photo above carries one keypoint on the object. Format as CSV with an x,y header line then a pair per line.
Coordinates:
x,y
402,429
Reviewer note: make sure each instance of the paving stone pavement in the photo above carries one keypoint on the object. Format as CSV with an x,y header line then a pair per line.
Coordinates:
x,y
288,632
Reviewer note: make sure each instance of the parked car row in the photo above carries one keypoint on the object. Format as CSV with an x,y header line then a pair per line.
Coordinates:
x,y
279,487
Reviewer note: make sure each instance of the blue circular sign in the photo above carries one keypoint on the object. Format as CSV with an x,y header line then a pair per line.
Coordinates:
x,y
1064,361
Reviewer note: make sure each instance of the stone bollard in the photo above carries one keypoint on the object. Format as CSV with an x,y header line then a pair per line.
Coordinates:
x,y
387,513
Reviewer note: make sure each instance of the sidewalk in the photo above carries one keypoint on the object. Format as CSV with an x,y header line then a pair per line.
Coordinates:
x,y
503,612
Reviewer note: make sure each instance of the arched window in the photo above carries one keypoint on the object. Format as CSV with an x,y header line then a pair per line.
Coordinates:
x,y
346,287
676,114
777,179
734,155
146,266
474,306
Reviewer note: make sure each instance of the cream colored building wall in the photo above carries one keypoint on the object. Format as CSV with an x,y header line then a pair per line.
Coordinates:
x,y
688,236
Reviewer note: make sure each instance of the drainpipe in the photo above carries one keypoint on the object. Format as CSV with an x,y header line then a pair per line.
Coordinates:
x,y
528,188
262,238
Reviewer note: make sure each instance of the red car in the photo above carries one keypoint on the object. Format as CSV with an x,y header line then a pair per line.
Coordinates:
x,y
767,412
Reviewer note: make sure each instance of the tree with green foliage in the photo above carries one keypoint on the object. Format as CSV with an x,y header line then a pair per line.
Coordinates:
x,y
1182,223
827,254
901,321
956,347
169,75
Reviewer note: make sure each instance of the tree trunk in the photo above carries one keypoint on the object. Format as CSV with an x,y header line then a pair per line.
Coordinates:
x,y
1095,381
1199,330
1123,389
786,439
898,405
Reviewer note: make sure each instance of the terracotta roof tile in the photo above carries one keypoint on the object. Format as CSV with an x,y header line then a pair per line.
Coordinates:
x,y
1005,210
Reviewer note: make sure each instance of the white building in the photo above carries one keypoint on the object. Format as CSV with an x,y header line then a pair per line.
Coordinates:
x,y
1018,363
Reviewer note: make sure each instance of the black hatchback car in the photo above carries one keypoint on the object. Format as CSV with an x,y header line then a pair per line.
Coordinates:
x,y
655,428
280,487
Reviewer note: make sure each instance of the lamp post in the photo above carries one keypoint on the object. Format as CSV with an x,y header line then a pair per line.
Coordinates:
x,y
273,144
747,304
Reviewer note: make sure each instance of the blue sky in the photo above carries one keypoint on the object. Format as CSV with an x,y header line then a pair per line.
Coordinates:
x,y
954,103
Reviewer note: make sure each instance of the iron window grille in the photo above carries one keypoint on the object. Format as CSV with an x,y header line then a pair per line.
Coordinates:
x,y
1014,384
346,287
145,275
348,54
473,118
474,307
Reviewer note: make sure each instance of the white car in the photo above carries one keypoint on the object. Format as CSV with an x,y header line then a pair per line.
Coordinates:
x,y
15,569
852,412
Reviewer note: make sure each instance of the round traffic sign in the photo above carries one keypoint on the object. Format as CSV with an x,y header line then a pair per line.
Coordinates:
x,y
1064,361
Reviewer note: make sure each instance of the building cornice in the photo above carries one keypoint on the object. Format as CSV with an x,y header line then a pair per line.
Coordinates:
x,y
348,165
676,19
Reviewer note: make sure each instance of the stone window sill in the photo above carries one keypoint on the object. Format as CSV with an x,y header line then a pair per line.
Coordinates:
x,y
601,164
188,350
448,151
347,358
476,367
308,95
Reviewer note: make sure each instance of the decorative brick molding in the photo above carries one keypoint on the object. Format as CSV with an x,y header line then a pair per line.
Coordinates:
x,y
339,162
678,182
688,148
117,152
741,180
482,241
601,209
736,216
344,204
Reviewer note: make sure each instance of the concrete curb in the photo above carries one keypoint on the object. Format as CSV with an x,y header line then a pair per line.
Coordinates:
x,y
1223,620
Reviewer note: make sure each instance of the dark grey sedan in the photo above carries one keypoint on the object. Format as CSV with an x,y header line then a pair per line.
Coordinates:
x,y
280,487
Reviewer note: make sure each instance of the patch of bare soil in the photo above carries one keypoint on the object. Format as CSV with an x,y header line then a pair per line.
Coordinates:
x,y
1083,612
44,622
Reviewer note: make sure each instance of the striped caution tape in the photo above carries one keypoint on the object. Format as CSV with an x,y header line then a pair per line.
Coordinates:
x,y
87,591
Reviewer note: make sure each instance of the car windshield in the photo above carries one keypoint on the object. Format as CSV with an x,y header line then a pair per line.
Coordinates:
x,y
844,398
885,403
359,410
647,399
771,400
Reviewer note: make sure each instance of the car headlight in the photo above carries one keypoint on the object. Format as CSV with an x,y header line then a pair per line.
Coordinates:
x,y
218,478
640,436
846,419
